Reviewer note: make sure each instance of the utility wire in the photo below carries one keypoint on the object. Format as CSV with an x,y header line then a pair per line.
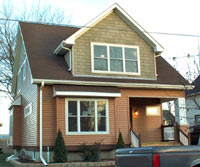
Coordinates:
x,y
111,28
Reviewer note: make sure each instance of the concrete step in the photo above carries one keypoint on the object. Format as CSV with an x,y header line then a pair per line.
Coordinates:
x,y
150,144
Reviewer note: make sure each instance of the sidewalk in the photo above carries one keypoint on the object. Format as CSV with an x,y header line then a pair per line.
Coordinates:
x,y
68,164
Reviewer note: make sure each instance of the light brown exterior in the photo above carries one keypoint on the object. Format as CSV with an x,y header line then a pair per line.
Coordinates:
x,y
149,127
105,32
119,118
17,126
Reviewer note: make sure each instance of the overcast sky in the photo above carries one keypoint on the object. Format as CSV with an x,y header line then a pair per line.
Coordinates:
x,y
168,16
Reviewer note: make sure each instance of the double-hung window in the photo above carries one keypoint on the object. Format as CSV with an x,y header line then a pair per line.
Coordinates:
x,y
87,116
122,59
28,110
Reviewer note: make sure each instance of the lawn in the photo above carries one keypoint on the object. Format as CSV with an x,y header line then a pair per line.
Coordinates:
x,y
3,162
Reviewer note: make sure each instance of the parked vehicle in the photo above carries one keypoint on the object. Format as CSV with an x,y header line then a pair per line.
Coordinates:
x,y
172,156
194,133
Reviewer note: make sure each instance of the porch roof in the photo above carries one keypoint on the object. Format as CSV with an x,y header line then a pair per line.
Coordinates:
x,y
76,90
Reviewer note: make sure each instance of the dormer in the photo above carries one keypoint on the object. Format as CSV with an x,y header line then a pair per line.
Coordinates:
x,y
111,45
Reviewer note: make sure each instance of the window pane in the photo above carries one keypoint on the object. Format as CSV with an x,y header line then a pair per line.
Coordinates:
x,y
131,53
116,52
101,108
72,124
116,65
101,124
87,124
72,108
87,108
100,64
100,51
131,66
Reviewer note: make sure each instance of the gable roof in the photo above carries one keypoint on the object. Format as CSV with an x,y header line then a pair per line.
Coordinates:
x,y
41,40
196,89
124,16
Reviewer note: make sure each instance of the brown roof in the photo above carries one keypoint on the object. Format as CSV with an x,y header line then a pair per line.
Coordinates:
x,y
77,88
41,40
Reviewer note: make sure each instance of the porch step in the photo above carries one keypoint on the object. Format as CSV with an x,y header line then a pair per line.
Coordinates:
x,y
150,144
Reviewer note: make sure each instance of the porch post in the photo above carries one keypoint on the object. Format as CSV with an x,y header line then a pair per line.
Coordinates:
x,y
181,121
180,111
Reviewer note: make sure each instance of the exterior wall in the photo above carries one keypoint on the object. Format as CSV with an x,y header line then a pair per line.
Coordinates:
x,y
49,117
29,95
122,111
17,114
192,108
119,118
76,140
149,127
99,33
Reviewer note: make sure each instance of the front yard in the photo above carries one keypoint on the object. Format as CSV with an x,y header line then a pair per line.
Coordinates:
x,y
3,162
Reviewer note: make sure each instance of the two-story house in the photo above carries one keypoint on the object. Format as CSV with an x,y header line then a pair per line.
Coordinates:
x,y
91,82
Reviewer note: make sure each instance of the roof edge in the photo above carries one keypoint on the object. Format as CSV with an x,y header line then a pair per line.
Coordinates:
x,y
71,40
117,84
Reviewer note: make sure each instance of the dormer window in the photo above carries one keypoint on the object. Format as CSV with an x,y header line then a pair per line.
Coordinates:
x,y
117,59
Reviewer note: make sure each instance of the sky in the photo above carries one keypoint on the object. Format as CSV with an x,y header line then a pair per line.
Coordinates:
x,y
166,16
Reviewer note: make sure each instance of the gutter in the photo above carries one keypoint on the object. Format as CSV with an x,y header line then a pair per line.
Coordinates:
x,y
117,84
41,152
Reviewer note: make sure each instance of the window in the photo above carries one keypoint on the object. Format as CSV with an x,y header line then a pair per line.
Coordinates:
x,y
19,79
24,70
152,110
197,117
122,59
28,110
86,116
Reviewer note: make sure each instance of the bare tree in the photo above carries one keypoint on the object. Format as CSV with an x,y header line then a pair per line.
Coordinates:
x,y
8,30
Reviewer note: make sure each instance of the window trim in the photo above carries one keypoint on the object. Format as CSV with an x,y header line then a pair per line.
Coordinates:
x,y
24,69
108,56
78,117
29,105
196,117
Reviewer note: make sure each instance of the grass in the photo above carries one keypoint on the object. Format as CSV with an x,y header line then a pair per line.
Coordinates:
x,y
3,162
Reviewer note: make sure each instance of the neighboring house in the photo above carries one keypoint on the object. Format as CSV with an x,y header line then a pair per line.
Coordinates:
x,y
90,83
193,102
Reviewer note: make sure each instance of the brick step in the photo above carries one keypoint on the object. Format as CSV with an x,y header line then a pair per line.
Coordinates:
x,y
150,144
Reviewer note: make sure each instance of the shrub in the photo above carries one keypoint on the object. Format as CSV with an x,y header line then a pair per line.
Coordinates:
x,y
91,153
60,151
120,142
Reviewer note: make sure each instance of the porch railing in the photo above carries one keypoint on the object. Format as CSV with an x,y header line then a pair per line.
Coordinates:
x,y
183,138
135,139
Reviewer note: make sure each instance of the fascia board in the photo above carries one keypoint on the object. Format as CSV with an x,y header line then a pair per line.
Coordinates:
x,y
117,84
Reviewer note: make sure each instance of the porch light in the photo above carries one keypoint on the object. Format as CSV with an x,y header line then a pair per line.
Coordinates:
x,y
136,114
152,110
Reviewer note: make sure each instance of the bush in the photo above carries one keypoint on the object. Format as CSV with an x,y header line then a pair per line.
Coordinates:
x,y
120,142
60,151
91,153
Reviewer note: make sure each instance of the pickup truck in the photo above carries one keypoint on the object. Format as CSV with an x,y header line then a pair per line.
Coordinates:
x,y
165,156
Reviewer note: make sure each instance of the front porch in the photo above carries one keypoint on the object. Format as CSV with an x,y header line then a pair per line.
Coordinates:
x,y
150,128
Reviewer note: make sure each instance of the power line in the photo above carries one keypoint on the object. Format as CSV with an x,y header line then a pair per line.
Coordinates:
x,y
107,28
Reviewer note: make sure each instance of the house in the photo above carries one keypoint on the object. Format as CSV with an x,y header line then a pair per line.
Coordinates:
x,y
91,82
193,102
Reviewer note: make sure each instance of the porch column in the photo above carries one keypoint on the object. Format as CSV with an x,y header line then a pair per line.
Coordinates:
x,y
181,121
180,112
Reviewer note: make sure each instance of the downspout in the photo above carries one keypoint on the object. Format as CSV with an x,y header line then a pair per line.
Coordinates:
x,y
41,152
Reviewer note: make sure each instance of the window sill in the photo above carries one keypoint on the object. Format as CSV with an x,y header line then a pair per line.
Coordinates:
x,y
87,133
119,73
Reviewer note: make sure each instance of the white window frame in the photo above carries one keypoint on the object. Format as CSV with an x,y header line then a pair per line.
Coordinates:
x,y
108,58
30,110
23,77
78,117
